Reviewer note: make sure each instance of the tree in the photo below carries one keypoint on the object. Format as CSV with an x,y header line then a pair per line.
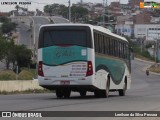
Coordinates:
x,y
22,55
4,19
8,27
79,12
17,7
47,9
11,53
56,9
2,47
7,51
52,9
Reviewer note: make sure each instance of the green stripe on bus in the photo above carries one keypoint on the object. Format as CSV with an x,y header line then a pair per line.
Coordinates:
x,y
116,68
56,55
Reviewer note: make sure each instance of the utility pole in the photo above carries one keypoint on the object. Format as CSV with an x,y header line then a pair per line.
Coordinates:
x,y
69,2
103,13
157,47
155,53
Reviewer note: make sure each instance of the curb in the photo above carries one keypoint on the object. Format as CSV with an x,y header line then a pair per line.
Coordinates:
x,y
144,60
145,68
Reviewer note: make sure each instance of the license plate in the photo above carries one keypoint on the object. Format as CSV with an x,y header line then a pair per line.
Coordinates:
x,y
65,82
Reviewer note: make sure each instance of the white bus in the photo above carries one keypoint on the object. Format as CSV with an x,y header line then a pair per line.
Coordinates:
x,y
82,57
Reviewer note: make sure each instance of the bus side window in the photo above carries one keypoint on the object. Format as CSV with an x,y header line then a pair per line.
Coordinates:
x,y
125,51
121,50
98,43
112,47
109,46
103,45
107,42
118,45
116,48
95,42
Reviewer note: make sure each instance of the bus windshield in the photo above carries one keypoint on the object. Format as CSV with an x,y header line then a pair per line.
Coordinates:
x,y
65,37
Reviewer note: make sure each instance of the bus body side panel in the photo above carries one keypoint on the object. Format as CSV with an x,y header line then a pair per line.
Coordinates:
x,y
114,67
101,79
120,86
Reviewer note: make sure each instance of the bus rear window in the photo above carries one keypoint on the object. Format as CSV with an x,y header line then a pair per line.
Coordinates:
x,y
64,37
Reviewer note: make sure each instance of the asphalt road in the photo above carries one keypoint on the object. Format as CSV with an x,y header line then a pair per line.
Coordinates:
x,y
38,21
41,20
24,34
143,95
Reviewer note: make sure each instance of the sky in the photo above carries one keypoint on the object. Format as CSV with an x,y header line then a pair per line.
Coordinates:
x,y
41,3
33,6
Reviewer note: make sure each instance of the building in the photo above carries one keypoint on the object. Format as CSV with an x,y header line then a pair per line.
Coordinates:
x,y
134,3
149,31
143,17
125,28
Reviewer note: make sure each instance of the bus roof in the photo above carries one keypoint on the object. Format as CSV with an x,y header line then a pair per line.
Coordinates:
x,y
97,28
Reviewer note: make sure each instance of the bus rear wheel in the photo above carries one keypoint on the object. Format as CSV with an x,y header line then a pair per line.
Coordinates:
x,y
97,93
67,93
83,93
59,93
105,93
122,92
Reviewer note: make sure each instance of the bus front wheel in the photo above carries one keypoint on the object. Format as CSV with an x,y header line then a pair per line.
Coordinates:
x,y
122,92
105,93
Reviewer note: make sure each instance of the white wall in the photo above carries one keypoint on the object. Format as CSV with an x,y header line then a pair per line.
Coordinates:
x,y
124,29
18,85
144,30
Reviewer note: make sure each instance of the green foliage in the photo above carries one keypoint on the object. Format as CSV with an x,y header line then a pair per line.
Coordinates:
x,y
4,19
148,45
26,91
56,9
7,75
8,27
137,50
11,53
17,7
78,12
7,50
22,54
3,43
25,75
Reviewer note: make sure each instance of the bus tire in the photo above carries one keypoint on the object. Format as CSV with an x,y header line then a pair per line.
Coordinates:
x,y
59,93
97,93
105,93
67,93
122,92
83,93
